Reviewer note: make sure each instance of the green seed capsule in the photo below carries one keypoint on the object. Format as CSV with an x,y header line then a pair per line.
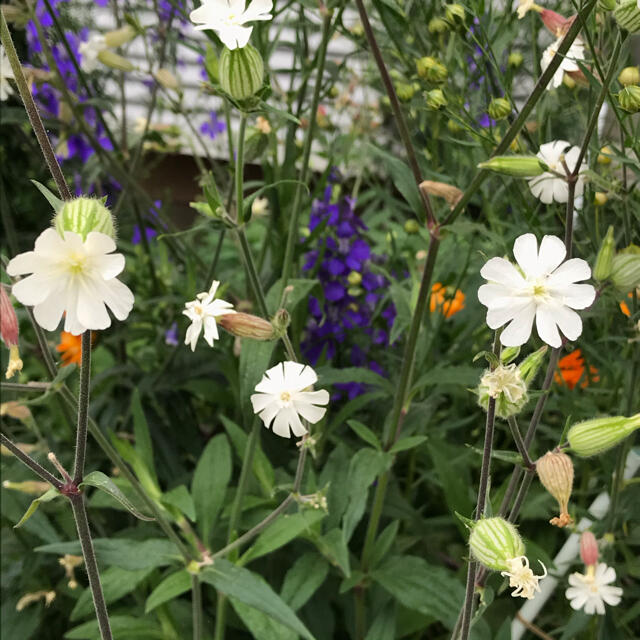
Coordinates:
x,y
494,541
604,260
84,215
596,436
517,166
241,72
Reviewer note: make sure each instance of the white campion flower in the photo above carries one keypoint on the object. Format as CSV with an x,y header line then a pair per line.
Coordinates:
x,y
591,591
283,398
542,288
203,312
6,73
72,277
569,61
89,51
522,577
549,186
228,17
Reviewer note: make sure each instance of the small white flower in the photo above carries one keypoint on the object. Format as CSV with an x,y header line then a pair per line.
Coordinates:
x,y
227,17
259,207
505,380
575,52
591,591
281,395
524,6
543,289
73,277
203,312
89,51
549,186
521,577
6,73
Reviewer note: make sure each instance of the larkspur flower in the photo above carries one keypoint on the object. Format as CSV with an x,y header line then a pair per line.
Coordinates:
x,y
72,277
171,335
212,127
282,398
550,187
6,73
569,61
203,312
228,17
543,288
89,51
591,591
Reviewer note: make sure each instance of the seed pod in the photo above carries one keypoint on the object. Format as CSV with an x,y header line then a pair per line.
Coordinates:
x,y
245,325
629,98
436,99
241,72
115,61
431,69
625,271
118,37
517,166
604,259
83,215
588,548
494,541
629,75
555,471
627,15
499,108
438,25
515,59
405,91
598,435
167,79
600,199
454,12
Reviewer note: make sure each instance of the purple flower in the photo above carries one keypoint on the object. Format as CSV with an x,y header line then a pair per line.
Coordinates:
x,y
171,335
136,238
212,127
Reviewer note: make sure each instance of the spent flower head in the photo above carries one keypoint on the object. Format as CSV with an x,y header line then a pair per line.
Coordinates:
x,y
543,289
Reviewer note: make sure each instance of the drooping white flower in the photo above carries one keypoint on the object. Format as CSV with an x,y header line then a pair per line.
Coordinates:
x,y
89,51
6,73
203,312
282,398
228,17
549,186
569,62
543,288
522,578
72,277
591,591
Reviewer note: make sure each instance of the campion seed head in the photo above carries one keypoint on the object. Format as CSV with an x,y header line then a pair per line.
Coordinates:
x,y
505,385
438,25
627,15
604,260
625,270
517,166
596,436
629,98
629,75
83,215
499,108
241,72
555,471
405,91
600,199
454,12
588,548
431,69
436,99
494,542
604,157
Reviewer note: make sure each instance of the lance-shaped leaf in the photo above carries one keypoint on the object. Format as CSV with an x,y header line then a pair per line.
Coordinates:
x,y
100,481
45,497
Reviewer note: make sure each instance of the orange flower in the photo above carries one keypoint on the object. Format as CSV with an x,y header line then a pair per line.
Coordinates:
x,y
443,303
71,347
624,307
572,370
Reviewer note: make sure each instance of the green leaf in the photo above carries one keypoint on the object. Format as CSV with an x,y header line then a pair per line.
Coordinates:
x,y
100,481
280,532
141,470
116,583
452,470
50,495
252,590
402,302
461,376
383,543
210,481
53,200
431,590
171,587
303,579
122,552
333,547
407,443
122,627
143,446
328,376
262,468
261,625
512,457
383,626
300,289
365,434
180,498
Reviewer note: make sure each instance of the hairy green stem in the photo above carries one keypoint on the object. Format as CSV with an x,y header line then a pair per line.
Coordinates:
x,y
292,237
30,462
519,442
239,173
196,605
83,409
91,564
32,111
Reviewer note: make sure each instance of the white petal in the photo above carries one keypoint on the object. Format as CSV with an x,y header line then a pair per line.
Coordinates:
x,y
519,329
281,423
611,595
50,242
495,295
258,10
296,425
235,37
260,400
292,373
552,253
547,329
499,315
569,322
305,378
109,266
576,296
525,251
560,191
33,289
309,411
118,297
570,271
210,330
193,332
269,413
49,313
503,272
99,243
92,312
27,262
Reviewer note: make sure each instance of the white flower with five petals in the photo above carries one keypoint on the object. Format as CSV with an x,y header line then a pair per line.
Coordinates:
x,y
591,591
203,312
283,397
72,277
552,186
569,61
89,51
543,289
228,17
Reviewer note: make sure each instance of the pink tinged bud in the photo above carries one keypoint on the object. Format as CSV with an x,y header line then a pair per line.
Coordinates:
x,y
557,24
8,320
588,548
